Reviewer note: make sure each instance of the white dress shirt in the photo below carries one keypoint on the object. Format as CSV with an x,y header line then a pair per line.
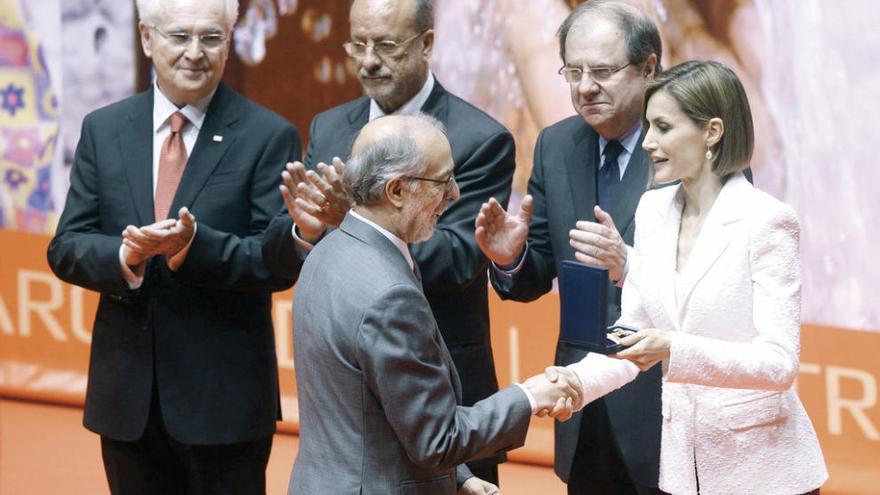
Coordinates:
x,y
163,109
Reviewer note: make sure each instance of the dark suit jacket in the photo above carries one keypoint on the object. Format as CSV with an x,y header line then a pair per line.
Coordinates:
x,y
203,333
379,398
563,184
453,267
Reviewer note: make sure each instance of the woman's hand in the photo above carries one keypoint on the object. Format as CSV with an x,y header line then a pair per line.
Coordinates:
x,y
646,347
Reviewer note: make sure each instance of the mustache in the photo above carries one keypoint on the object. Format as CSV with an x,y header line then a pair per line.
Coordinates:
x,y
381,72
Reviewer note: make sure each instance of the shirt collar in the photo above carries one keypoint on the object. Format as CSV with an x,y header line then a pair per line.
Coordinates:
x,y
629,141
163,108
414,105
397,241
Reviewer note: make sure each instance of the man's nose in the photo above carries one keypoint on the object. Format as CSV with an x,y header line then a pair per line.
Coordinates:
x,y
587,85
453,192
194,48
371,62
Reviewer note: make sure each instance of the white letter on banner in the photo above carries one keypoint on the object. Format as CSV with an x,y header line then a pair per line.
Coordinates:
x,y
5,321
43,309
856,407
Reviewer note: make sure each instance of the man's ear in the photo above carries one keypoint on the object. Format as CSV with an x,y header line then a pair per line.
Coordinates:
x,y
427,44
649,71
395,191
714,131
146,34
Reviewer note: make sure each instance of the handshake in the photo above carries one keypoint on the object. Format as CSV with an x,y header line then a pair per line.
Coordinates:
x,y
557,392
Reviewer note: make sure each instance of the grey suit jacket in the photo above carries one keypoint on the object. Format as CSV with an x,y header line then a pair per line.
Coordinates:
x,y
563,184
379,397
453,267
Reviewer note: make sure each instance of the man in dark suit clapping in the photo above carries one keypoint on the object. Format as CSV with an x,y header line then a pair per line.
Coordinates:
x,y
169,194
590,171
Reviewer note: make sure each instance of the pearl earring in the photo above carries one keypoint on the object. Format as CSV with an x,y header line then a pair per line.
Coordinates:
x,y
708,154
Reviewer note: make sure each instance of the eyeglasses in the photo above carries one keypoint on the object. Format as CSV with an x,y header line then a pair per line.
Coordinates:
x,y
574,75
447,182
181,39
382,49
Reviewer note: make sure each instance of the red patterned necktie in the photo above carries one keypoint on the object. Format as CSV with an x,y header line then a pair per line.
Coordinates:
x,y
172,161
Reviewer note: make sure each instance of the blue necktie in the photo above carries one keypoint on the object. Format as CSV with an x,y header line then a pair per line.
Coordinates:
x,y
609,175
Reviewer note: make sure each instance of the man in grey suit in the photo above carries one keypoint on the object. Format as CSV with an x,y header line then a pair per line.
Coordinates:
x,y
590,172
391,44
379,396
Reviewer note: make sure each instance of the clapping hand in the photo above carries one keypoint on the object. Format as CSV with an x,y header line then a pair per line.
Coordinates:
x,y
501,236
314,201
165,238
599,244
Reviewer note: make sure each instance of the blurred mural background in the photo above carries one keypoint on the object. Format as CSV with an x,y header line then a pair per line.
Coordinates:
x,y
806,65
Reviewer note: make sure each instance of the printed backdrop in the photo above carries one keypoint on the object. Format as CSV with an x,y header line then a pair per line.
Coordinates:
x,y
805,64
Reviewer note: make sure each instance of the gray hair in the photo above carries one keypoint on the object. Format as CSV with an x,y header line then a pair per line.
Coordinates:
x,y
150,10
387,158
641,35
424,19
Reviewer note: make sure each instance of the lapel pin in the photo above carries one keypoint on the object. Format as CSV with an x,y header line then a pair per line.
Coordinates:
x,y
218,139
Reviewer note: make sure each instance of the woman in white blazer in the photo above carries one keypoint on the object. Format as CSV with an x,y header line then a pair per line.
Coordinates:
x,y
715,288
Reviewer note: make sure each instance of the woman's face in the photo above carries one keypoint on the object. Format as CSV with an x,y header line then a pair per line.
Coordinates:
x,y
677,146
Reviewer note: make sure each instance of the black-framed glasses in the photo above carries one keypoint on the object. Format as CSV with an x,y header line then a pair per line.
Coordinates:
x,y
447,182
182,39
382,49
574,75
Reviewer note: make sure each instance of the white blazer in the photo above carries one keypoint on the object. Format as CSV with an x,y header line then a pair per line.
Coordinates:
x,y
728,404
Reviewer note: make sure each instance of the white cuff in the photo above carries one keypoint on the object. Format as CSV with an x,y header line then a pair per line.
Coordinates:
x,y
532,403
134,278
510,272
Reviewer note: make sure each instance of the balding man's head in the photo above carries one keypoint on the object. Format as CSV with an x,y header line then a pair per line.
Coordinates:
x,y
391,44
401,169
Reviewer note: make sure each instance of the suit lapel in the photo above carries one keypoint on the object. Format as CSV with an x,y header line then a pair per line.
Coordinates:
x,y
665,257
136,144
223,111
580,169
436,105
359,116
631,189
714,236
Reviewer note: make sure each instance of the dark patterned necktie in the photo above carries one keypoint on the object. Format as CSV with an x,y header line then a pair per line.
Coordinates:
x,y
609,175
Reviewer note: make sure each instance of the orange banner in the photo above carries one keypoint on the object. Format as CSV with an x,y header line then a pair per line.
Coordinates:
x,y
45,331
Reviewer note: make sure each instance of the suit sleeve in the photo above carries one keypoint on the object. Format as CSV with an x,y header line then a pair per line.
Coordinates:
x,y
280,254
535,278
80,253
451,260
402,361
770,360
224,260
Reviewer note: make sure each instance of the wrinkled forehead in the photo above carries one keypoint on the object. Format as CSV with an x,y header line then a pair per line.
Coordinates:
x,y
596,42
193,15
377,19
